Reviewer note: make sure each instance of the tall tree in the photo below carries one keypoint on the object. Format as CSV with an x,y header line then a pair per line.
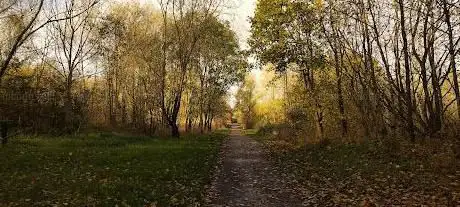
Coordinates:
x,y
186,19
31,24
74,46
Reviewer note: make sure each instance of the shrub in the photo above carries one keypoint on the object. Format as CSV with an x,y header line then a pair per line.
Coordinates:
x,y
298,117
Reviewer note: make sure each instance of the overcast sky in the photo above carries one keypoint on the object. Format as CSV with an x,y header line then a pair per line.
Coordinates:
x,y
239,18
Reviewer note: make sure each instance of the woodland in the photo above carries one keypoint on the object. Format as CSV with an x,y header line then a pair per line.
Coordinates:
x,y
136,104
68,66
359,99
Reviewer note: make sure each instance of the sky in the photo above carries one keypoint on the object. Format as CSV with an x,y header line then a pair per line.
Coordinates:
x,y
238,15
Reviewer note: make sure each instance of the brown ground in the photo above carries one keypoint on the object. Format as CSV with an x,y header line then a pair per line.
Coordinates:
x,y
247,178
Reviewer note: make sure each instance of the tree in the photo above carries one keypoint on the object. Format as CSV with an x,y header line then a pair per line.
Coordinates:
x,y
246,102
284,33
386,58
188,19
131,68
220,64
74,46
27,26
132,52
452,45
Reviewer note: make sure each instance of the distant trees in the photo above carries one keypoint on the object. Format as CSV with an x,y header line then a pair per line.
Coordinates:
x,y
131,51
131,67
246,103
189,56
219,65
393,62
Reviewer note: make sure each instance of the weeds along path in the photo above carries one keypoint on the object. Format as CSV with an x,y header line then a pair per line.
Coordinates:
x,y
246,177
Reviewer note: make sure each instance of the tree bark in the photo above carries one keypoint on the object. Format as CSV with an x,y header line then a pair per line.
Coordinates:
x,y
452,53
408,74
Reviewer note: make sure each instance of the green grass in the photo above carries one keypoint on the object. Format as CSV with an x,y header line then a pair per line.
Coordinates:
x,y
106,170
250,132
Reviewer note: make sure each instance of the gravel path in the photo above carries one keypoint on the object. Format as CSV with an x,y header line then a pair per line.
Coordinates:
x,y
246,177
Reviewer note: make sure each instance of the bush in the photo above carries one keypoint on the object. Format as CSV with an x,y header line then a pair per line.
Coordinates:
x,y
267,129
298,117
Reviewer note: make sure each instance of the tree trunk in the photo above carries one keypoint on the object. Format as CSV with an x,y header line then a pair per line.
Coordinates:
x,y
343,119
436,116
4,132
338,64
452,54
68,105
175,130
190,124
408,75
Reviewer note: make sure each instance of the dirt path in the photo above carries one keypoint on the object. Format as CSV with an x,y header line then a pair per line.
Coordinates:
x,y
246,178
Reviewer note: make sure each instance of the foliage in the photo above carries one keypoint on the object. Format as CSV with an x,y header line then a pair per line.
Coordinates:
x,y
128,66
352,63
246,102
281,31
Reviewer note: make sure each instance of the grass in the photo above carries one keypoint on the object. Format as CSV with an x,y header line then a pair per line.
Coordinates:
x,y
250,132
106,170
348,174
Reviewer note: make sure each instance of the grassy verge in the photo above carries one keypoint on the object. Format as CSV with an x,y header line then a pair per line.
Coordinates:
x,y
250,132
350,174
106,170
